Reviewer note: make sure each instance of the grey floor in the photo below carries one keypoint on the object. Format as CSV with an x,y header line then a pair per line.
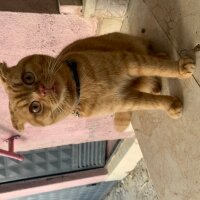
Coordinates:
x,y
136,186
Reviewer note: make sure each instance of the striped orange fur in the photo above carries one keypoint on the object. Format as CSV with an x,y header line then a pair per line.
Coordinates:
x,y
118,73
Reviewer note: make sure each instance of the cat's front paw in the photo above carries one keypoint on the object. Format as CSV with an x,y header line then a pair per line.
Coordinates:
x,y
176,108
186,67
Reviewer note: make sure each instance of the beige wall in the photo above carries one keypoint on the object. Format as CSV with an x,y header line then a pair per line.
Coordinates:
x,y
110,13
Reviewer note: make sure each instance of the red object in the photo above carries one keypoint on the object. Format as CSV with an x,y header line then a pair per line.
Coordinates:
x,y
10,153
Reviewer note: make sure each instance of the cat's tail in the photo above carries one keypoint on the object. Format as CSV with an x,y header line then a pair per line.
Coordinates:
x,y
122,120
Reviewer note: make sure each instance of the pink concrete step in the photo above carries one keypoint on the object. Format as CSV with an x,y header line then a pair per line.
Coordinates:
x,y
24,33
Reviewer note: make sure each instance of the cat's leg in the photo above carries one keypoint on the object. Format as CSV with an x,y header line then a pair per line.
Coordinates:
x,y
122,120
144,65
143,84
147,84
134,100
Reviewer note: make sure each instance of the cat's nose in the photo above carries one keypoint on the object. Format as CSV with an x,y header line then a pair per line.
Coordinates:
x,y
43,90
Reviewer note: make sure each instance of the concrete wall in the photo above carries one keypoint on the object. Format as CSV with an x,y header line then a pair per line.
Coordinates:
x,y
110,13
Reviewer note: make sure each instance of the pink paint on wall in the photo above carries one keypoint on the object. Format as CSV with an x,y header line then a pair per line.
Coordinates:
x,y
23,34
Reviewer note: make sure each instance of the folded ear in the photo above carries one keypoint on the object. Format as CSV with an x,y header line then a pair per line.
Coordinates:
x,y
3,72
16,120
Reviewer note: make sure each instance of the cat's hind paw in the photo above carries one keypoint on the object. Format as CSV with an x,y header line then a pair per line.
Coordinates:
x,y
186,67
176,109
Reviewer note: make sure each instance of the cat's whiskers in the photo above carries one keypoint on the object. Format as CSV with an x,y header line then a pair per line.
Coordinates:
x,y
47,68
66,104
50,61
52,77
51,66
57,64
48,74
56,106
44,72
4,77
51,106
53,99
54,64
62,107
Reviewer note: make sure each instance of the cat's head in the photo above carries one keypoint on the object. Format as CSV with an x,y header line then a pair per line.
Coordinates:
x,y
39,89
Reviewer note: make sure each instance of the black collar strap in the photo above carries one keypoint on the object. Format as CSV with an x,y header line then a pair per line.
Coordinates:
x,y
73,67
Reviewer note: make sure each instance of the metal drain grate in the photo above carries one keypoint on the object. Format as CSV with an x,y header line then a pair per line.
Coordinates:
x,y
88,192
50,161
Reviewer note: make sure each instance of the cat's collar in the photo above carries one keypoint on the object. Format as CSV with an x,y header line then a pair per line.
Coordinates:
x,y
73,68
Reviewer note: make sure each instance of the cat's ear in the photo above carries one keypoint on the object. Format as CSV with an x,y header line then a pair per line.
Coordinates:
x,y
17,123
3,72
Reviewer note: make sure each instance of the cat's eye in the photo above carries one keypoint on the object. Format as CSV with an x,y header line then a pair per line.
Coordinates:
x,y
28,78
35,107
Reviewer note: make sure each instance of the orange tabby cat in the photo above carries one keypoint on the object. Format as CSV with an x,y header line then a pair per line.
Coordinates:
x,y
113,73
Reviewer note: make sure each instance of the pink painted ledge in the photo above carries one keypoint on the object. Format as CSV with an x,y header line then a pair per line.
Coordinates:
x,y
24,34
27,33
31,187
